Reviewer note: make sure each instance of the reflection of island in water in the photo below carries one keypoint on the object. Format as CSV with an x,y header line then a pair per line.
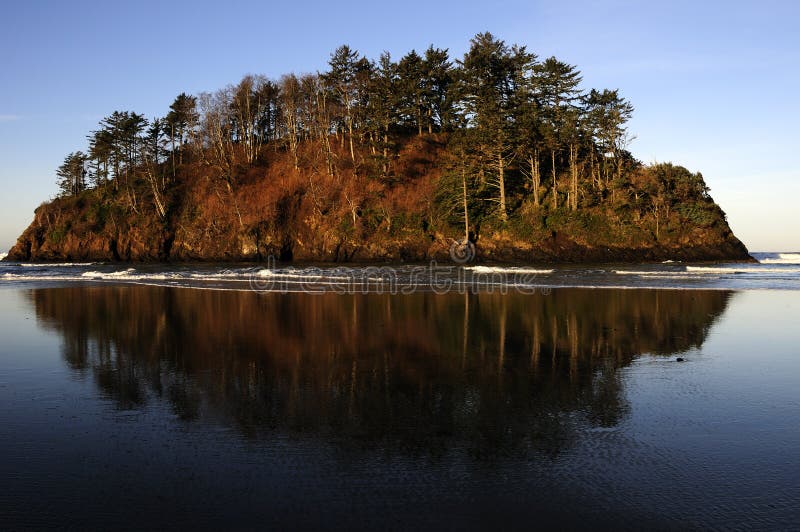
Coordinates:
x,y
488,373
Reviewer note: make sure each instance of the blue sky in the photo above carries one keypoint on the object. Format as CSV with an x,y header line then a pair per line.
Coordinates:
x,y
714,84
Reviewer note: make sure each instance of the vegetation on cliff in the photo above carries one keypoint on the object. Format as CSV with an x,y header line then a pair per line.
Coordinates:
x,y
381,160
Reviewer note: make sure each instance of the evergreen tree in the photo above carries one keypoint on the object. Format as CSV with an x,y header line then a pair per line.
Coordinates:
x,y
342,80
411,72
557,92
180,120
490,71
436,82
608,113
383,105
72,174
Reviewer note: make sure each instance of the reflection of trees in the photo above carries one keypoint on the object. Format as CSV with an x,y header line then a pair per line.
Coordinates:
x,y
490,373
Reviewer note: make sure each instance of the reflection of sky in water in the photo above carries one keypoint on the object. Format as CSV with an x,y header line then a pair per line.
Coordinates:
x,y
235,408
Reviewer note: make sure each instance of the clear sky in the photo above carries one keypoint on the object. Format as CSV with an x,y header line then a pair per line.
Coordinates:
x,y
715,83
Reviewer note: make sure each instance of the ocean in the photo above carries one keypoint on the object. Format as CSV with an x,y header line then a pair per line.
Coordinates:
x,y
776,271
426,396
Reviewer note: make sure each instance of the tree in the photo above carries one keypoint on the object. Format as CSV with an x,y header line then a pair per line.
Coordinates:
x,y
268,109
101,147
608,113
291,97
557,91
411,87
120,136
341,79
459,180
490,71
217,130
529,122
155,139
383,104
72,174
181,118
436,82
317,115
253,106
152,171
572,133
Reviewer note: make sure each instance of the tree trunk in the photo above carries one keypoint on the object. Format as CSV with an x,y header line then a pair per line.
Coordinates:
x,y
555,182
464,197
350,134
535,178
502,185
180,153
419,116
386,149
573,166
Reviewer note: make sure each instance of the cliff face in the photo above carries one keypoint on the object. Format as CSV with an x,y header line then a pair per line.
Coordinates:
x,y
275,209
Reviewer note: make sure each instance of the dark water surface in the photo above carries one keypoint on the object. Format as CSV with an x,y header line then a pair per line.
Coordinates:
x,y
149,407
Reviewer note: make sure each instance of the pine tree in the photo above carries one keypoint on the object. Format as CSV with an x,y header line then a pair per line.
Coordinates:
x,y
72,174
437,77
181,118
490,70
412,89
557,91
383,105
341,79
607,114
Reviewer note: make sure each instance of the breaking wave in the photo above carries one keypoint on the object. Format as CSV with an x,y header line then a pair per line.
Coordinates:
x,y
782,258
423,277
740,269
46,265
506,269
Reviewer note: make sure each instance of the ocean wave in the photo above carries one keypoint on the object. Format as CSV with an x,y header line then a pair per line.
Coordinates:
x,y
740,269
309,274
708,270
782,258
109,275
3,255
509,269
367,278
54,264
40,277
654,273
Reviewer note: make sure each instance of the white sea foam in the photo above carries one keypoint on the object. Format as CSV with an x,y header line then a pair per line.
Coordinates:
x,y
54,264
654,273
3,255
502,269
783,258
110,275
753,276
740,269
309,274
132,275
23,277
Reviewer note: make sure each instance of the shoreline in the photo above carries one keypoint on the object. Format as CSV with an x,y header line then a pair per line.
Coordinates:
x,y
512,257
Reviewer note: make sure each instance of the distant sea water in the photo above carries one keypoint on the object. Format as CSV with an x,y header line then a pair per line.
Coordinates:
x,y
773,271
